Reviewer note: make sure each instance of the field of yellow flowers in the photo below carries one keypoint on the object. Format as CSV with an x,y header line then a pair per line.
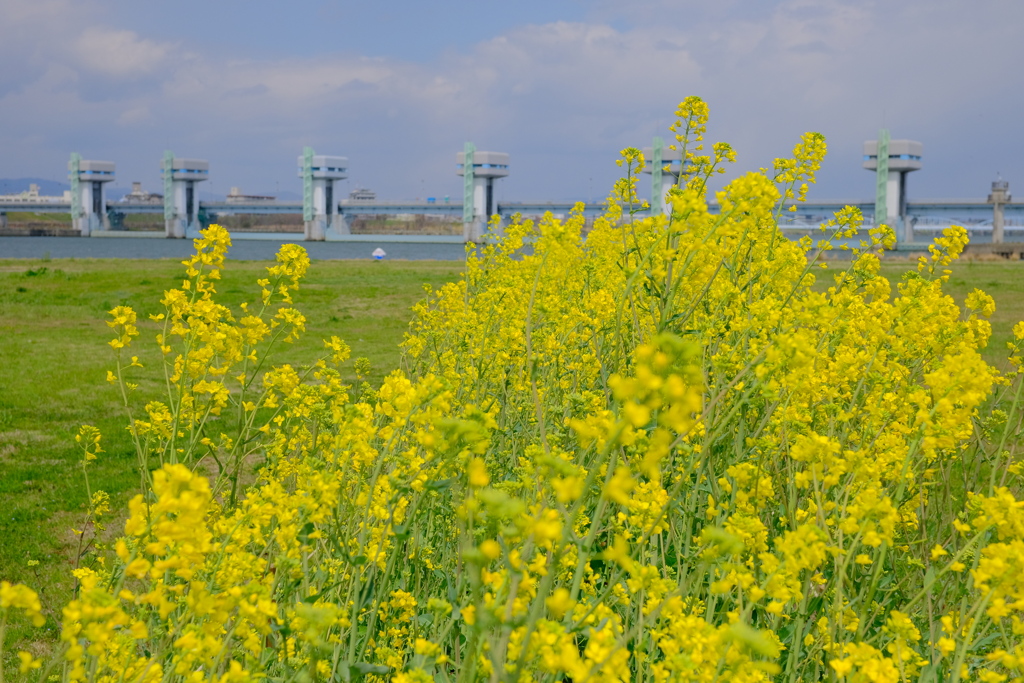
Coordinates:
x,y
659,453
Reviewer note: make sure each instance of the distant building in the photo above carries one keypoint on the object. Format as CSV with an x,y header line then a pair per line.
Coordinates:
x,y
32,196
361,194
236,197
140,196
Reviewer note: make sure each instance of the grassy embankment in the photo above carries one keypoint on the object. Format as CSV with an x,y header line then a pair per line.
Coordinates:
x,y
54,358
33,217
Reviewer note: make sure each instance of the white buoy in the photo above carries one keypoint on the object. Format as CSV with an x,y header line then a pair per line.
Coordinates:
x,y
379,253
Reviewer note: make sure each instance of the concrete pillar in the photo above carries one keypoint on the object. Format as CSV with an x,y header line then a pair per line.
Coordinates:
x,y
896,205
483,209
181,198
668,181
342,224
669,158
1000,196
320,195
892,203
91,202
487,166
904,156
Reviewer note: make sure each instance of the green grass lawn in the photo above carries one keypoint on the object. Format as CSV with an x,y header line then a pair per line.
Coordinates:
x,y
1002,280
54,358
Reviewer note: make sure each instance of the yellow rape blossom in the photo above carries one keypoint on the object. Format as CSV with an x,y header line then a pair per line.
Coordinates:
x,y
643,448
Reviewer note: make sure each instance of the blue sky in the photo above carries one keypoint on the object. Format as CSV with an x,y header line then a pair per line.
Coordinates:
x,y
561,85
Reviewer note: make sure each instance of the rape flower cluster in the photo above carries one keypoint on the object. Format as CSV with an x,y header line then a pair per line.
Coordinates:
x,y
657,452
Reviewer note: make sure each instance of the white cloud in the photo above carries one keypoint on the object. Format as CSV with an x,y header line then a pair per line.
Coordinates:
x,y
561,97
119,53
134,115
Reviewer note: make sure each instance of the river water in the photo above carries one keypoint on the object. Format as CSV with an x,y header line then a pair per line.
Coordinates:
x,y
242,250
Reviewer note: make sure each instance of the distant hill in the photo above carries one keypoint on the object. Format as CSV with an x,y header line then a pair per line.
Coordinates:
x,y
46,187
